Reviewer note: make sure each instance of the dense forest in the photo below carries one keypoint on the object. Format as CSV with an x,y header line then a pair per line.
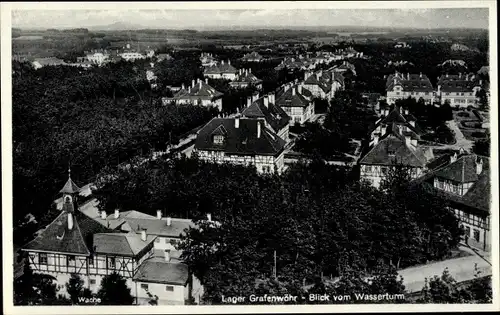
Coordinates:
x,y
318,219
87,119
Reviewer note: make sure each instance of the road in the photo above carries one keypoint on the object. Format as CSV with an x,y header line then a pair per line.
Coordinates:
x,y
461,269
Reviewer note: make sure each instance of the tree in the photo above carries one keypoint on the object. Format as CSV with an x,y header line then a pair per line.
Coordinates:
x,y
482,147
36,289
74,287
114,291
445,289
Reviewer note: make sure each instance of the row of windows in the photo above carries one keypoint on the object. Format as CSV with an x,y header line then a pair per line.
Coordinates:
x,y
459,94
476,234
168,288
70,260
166,240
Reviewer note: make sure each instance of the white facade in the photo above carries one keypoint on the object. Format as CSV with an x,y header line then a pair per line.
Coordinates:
x,y
97,58
375,174
225,75
299,115
263,163
461,99
397,93
168,294
131,56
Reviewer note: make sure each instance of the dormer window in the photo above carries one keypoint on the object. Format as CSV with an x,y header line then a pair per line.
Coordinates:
x,y
218,139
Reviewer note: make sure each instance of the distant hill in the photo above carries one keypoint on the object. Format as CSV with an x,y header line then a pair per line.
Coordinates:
x,y
117,26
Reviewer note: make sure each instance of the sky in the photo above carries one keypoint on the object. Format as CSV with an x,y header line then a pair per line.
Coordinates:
x,y
255,18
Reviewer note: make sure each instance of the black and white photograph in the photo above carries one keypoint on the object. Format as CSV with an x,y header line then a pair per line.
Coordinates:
x,y
279,157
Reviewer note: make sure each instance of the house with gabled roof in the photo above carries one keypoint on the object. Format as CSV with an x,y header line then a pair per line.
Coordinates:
x,y
465,183
459,90
393,143
323,83
274,117
88,245
252,57
402,86
198,93
242,141
400,117
222,70
245,78
297,102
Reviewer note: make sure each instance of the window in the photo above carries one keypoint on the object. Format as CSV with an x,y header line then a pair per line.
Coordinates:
x,y
384,170
111,262
477,236
462,94
426,93
169,288
42,259
467,231
368,168
447,94
157,240
91,261
92,281
144,286
70,259
173,242
397,93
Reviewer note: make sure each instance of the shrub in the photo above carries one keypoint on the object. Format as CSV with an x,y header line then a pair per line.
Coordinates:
x,y
478,134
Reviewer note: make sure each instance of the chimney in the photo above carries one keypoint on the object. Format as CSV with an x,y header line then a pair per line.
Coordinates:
x,y
143,235
249,70
189,89
460,75
420,75
209,217
479,165
240,71
182,86
408,140
169,221
383,129
103,215
293,91
70,220
199,84
480,82
258,129
405,111
206,80
408,76
159,214
412,123
453,158
192,83
266,101
249,101
228,62
117,213
222,62
272,98
237,122
447,75
167,255
375,139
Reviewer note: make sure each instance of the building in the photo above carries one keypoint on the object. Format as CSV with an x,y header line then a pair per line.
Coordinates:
x,y
459,47
344,67
402,45
392,144
245,78
241,141
207,60
402,86
454,62
465,183
459,90
323,84
162,56
252,57
274,117
130,243
97,57
198,93
297,102
399,117
221,71
50,61
132,56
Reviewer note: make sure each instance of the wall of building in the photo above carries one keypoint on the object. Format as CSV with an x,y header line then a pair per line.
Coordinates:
x,y
477,229
263,163
396,94
176,295
375,174
461,99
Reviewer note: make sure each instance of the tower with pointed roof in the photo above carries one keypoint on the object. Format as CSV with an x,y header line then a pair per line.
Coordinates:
x,y
69,193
